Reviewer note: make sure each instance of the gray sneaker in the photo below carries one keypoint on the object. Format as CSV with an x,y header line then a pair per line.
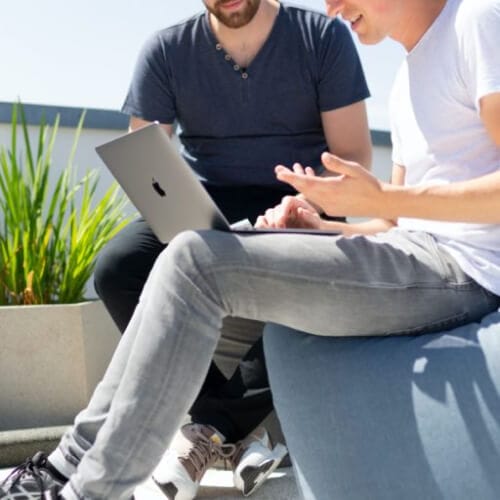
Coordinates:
x,y
35,479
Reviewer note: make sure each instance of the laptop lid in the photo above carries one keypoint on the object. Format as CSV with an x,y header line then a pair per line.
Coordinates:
x,y
160,183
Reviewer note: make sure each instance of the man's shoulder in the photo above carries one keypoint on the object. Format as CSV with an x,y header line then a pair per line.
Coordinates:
x,y
310,20
304,14
181,28
471,12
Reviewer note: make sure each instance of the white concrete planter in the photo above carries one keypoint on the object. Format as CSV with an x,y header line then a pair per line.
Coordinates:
x,y
51,359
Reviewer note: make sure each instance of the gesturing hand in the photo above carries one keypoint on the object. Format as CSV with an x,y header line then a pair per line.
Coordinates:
x,y
353,192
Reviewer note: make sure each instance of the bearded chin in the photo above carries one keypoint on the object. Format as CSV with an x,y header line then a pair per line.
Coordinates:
x,y
234,21
237,19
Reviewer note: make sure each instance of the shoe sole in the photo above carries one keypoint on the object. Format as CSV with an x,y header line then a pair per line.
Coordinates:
x,y
168,489
255,476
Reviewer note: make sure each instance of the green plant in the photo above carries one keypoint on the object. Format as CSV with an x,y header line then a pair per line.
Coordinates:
x,y
50,237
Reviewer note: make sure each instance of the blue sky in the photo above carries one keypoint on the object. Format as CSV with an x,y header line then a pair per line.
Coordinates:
x,y
82,53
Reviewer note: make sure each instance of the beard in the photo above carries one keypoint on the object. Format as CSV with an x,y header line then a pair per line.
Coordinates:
x,y
234,19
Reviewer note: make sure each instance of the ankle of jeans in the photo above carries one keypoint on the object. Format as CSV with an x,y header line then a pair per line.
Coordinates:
x,y
59,462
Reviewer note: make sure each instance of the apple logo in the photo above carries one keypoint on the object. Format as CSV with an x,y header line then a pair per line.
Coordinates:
x,y
158,188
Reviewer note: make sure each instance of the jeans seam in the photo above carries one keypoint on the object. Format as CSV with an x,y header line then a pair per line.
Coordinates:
x,y
257,271
443,324
145,423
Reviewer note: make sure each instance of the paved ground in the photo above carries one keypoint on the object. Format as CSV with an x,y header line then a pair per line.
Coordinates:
x,y
218,484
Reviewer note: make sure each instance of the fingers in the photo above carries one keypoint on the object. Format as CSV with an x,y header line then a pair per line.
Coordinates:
x,y
302,218
338,165
286,213
308,219
261,222
276,217
300,181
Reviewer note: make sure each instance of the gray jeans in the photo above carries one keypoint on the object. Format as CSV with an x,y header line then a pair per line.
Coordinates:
x,y
392,283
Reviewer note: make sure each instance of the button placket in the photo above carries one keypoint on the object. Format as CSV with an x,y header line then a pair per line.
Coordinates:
x,y
229,59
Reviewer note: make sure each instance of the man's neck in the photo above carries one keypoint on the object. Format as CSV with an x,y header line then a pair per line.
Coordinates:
x,y
243,44
418,18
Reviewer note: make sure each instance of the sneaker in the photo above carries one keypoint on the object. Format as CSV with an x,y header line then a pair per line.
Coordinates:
x,y
195,449
254,460
35,479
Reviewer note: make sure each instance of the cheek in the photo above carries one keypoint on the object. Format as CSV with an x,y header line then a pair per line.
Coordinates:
x,y
382,8
330,11
332,7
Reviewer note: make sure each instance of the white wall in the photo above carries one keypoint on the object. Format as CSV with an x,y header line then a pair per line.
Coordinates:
x,y
85,158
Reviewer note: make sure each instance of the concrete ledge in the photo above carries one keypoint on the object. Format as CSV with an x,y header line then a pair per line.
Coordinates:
x,y
218,484
69,116
17,445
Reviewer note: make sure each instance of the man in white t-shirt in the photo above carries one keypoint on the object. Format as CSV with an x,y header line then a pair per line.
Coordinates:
x,y
445,124
440,268
410,418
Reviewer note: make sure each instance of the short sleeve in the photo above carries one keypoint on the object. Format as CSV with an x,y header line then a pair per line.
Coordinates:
x,y
480,45
150,95
341,77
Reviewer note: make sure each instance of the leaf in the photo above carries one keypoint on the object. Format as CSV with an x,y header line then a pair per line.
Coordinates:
x,y
52,226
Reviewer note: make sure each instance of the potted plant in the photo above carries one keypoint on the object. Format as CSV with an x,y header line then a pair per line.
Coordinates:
x,y
55,344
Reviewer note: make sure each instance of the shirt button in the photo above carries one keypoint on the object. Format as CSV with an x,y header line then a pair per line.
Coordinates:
x,y
227,57
244,76
236,67
218,46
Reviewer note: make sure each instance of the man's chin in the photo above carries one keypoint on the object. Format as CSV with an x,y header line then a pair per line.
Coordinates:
x,y
367,39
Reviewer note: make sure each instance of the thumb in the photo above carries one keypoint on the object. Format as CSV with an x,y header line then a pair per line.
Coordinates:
x,y
335,164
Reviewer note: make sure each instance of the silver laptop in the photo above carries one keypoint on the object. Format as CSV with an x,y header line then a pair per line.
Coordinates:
x,y
164,188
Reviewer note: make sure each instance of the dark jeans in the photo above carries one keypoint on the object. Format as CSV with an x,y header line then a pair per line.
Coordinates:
x,y
120,274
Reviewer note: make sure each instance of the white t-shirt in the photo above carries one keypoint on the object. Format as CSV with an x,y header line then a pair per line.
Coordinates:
x,y
437,133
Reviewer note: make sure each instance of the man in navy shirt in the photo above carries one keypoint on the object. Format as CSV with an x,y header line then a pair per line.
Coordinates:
x,y
250,84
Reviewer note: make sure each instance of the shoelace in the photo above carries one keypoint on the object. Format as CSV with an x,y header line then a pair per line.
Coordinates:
x,y
29,466
204,450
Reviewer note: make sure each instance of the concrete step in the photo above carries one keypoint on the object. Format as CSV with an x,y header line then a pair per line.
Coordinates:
x,y
15,446
219,484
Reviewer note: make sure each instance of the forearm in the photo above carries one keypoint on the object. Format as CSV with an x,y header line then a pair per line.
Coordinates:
x,y
372,226
473,201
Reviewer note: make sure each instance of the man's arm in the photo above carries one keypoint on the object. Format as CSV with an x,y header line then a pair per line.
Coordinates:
x,y
136,123
489,108
347,133
357,193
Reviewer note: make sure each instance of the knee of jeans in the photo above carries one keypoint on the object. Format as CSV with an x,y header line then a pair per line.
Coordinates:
x,y
190,252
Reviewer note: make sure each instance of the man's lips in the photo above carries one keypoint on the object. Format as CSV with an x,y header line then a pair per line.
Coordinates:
x,y
231,5
355,20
